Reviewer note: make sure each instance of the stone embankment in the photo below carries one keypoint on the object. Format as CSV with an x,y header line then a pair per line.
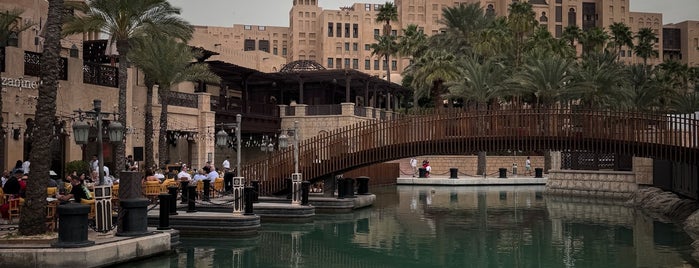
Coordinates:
x,y
669,207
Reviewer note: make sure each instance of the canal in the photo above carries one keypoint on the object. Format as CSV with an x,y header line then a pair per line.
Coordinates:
x,y
425,226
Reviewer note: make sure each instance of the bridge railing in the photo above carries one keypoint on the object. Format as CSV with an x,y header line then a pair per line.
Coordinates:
x,y
470,131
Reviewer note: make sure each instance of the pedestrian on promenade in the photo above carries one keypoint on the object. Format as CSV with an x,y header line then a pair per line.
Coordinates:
x,y
413,165
528,166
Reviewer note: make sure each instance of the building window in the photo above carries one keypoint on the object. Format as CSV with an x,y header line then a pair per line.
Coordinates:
x,y
355,30
338,29
247,27
394,65
249,44
347,63
385,64
261,28
367,7
367,47
264,45
339,63
622,53
355,64
275,51
283,51
367,64
330,29
347,47
377,7
394,32
559,14
571,17
347,30
543,17
376,32
330,62
376,64
355,46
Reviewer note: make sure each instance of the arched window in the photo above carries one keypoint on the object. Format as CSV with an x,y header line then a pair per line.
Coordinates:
x,y
572,17
490,10
543,17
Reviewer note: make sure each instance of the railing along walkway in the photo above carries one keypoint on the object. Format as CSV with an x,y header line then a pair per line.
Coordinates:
x,y
660,136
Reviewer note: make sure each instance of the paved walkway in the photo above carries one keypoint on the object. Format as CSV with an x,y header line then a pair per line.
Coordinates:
x,y
471,181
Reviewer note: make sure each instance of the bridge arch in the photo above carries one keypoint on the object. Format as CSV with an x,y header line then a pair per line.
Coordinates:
x,y
464,132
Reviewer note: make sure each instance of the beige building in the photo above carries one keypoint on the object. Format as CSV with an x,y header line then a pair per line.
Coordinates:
x,y
340,38
85,77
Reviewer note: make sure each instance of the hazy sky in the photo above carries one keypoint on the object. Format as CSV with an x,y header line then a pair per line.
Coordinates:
x,y
276,12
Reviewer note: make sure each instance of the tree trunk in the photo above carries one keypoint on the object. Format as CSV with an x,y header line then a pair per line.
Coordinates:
x,y
481,166
123,48
148,139
163,155
33,218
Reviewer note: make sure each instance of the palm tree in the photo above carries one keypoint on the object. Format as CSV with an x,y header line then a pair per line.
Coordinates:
x,y
385,47
481,84
644,47
593,40
463,23
11,24
168,62
495,40
522,22
123,20
33,218
431,71
621,36
547,79
413,42
387,13
572,33
605,82
149,133
645,96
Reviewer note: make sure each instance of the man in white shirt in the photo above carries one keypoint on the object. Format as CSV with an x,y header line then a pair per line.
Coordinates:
x,y
226,165
413,165
211,174
183,175
94,164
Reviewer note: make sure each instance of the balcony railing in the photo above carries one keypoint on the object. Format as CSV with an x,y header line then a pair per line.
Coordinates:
x,y
102,75
182,99
32,65
330,109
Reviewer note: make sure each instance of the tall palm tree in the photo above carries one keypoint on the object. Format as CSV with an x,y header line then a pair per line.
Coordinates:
x,y
644,47
572,33
387,13
463,23
33,218
645,96
547,79
148,131
413,42
495,40
123,20
10,24
431,71
605,82
522,22
168,62
593,40
621,35
480,84
385,47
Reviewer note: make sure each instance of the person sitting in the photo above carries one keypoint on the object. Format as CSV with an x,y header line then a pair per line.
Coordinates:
x,y
78,192
183,175
199,176
150,176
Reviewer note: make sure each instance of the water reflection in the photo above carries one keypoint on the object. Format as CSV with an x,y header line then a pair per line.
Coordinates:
x,y
423,226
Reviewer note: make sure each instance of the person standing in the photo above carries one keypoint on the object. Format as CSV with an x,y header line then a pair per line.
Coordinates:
x,y
94,164
528,166
25,166
226,165
413,165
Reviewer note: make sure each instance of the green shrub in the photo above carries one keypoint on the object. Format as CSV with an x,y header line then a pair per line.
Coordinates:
x,y
78,166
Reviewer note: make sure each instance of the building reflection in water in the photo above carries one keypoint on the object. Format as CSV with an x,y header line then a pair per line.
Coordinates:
x,y
422,226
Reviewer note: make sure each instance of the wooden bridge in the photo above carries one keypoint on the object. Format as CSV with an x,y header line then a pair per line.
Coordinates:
x,y
659,136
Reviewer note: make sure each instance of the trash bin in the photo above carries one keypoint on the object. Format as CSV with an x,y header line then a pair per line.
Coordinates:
x,y
503,173
538,173
422,172
453,173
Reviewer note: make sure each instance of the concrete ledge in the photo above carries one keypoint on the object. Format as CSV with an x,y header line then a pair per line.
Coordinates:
x,y
472,181
279,212
99,255
211,223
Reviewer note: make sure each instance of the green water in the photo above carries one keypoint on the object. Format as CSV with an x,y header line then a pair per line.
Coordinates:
x,y
424,226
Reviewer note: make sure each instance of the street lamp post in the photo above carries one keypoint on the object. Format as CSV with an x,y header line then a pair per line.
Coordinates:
x,y
238,181
296,176
103,192
267,147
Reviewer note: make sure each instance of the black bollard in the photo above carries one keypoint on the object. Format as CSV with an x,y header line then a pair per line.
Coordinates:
x,y
228,182
207,191
256,194
349,187
172,190
249,195
191,198
362,185
453,173
185,193
503,173
422,173
164,219
72,226
289,187
340,188
305,189
135,221
538,173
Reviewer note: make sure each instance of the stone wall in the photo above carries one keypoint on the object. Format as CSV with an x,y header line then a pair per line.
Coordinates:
x,y
467,164
590,183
